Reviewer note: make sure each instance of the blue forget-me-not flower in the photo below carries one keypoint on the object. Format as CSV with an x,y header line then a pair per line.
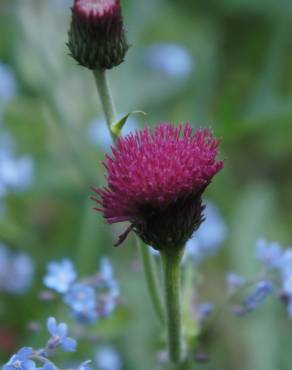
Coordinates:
x,y
107,358
60,275
171,59
59,336
21,360
209,237
16,271
269,253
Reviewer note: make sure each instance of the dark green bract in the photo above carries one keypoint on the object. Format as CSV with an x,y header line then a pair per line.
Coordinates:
x,y
97,41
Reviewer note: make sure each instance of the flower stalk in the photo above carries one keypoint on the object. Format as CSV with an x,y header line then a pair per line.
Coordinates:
x,y
109,110
171,272
106,99
151,279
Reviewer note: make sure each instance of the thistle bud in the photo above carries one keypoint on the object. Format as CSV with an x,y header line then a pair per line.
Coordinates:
x,y
97,36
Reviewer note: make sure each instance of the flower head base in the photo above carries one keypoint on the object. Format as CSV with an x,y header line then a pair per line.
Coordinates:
x,y
155,180
97,37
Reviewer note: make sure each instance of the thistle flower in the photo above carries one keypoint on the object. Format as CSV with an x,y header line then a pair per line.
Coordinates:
x,y
97,37
155,180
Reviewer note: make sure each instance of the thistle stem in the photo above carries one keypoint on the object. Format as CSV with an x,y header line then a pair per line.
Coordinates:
x,y
109,110
106,99
151,279
171,270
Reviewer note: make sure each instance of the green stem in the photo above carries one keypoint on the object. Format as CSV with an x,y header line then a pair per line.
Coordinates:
x,y
106,99
151,279
109,110
42,359
171,270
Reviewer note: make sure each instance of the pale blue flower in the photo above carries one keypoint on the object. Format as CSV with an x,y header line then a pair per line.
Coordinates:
x,y
60,275
285,268
16,174
106,273
172,60
287,284
269,253
21,274
209,237
59,336
204,310
286,272
289,308
107,289
16,271
84,365
8,85
86,317
260,292
21,360
286,263
47,366
80,297
107,358
82,300
234,281
98,132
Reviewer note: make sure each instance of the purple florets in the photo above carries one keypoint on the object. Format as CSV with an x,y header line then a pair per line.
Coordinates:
x,y
155,180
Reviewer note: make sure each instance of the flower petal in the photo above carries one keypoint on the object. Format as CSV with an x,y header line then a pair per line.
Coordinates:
x,y
28,365
52,325
24,352
62,330
69,345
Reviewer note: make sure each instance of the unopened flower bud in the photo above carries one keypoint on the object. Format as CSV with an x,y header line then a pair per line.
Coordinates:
x,y
97,36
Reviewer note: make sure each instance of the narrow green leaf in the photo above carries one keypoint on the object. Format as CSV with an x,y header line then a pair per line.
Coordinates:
x,y
117,127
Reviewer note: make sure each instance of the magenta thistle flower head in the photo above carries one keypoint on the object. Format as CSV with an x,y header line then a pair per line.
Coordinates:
x,y
155,180
97,37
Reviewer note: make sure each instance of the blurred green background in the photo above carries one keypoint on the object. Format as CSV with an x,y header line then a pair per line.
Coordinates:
x,y
229,67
